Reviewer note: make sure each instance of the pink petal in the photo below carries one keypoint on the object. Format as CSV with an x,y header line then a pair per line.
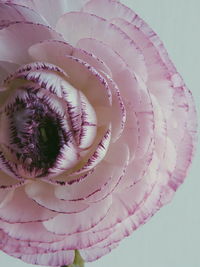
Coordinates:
x,y
12,12
83,221
96,156
118,112
7,182
75,241
95,253
159,77
30,231
102,181
149,43
5,197
128,201
124,228
43,194
89,79
18,209
54,51
134,93
106,53
188,138
17,37
6,68
86,187
59,258
45,7
101,30
108,9
10,245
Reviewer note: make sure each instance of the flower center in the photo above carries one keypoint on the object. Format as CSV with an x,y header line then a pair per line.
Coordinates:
x,y
46,125
36,134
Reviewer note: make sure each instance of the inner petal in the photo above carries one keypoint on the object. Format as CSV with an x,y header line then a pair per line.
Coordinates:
x,y
43,122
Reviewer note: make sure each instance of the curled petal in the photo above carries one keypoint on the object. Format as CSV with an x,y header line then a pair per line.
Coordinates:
x,y
98,154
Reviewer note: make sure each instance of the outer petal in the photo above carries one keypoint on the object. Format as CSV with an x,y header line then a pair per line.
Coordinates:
x,y
164,81
17,37
134,93
93,254
45,7
74,223
101,29
76,241
21,208
130,200
108,9
12,12
33,232
58,258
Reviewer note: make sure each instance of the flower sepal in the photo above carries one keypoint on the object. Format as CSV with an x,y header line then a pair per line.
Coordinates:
x,y
78,261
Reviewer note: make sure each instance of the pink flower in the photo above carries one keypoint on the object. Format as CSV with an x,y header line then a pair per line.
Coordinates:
x,y
97,128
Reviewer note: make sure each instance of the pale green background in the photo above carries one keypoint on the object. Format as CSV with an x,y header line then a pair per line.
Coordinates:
x,y
172,237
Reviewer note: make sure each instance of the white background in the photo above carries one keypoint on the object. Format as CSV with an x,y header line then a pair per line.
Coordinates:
x,y
172,237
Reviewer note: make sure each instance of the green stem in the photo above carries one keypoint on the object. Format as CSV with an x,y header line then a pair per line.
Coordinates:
x,y
78,261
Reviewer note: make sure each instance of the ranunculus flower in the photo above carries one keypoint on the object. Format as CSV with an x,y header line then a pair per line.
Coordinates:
x,y
97,128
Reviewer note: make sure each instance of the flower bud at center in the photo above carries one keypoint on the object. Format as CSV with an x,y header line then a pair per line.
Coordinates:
x,y
35,135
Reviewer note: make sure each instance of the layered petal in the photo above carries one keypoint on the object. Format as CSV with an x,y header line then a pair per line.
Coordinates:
x,y
75,223
97,128
43,194
17,209
11,12
17,37
45,7
101,29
